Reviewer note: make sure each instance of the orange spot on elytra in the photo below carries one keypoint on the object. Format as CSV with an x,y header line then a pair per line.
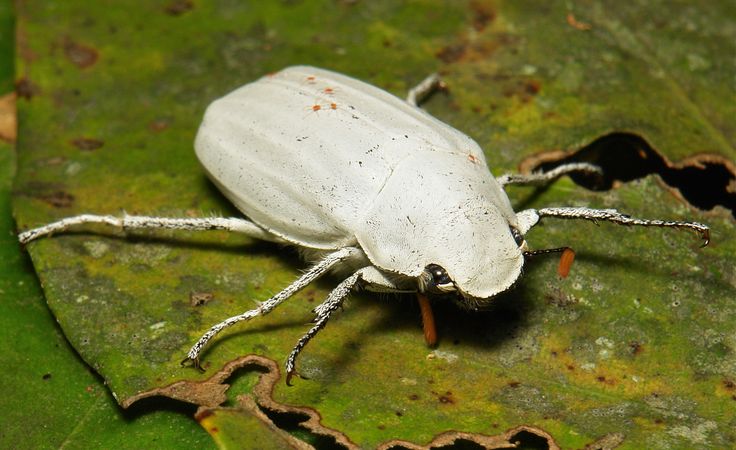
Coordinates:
x,y
473,159
333,105
328,90
316,108
311,79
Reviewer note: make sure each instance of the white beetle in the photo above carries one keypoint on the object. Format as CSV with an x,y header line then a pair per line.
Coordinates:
x,y
364,181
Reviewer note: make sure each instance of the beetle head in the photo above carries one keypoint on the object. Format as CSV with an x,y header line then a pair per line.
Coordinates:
x,y
451,229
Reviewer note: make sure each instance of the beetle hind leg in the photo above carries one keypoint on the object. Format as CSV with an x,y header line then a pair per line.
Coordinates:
x,y
542,178
323,311
424,89
127,222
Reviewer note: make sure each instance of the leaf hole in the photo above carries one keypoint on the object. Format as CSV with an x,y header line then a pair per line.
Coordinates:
x,y
291,423
704,181
529,441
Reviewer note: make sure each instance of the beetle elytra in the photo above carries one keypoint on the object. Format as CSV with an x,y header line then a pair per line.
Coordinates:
x,y
365,182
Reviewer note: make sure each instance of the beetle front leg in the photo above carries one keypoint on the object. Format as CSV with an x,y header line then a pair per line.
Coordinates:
x,y
613,216
542,178
127,222
323,311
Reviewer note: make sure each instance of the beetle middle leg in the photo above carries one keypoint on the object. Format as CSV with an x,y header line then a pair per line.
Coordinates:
x,y
267,306
323,311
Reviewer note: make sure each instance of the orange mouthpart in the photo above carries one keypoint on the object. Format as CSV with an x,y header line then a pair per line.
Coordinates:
x,y
566,259
430,330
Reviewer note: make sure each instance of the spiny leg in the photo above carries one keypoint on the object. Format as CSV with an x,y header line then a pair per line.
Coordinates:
x,y
309,276
323,311
147,222
421,91
541,178
428,324
611,215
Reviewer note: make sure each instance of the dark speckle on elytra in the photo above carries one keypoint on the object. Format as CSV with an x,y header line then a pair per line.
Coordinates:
x,y
87,144
80,55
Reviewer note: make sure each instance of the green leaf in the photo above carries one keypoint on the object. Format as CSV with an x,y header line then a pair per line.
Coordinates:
x,y
51,399
637,344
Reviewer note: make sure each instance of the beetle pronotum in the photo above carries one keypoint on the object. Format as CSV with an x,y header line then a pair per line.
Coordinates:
x,y
370,184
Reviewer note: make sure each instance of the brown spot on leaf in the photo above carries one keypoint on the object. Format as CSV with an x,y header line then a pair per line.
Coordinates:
x,y
82,56
8,118
200,298
87,144
178,7
573,22
158,125
636,348
483,14
202,414
25,88
514,384
46,376
57,199
446,399
452,53
413,397
729,384
532,87
603,379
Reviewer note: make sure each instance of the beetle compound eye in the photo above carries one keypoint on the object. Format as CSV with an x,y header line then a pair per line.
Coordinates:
x,y
518,237
440,281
